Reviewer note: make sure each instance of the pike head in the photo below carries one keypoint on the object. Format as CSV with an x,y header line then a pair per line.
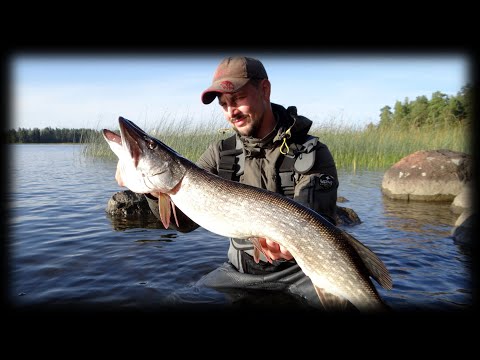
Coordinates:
x,y
146,164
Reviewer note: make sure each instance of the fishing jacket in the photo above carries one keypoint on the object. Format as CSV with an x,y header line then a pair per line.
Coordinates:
x,y
288,161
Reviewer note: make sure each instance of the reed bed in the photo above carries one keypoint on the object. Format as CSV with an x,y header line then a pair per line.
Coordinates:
x,y
373,148
185,136
353,147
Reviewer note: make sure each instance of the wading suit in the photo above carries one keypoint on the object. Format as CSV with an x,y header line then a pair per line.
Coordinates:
x,y
307,173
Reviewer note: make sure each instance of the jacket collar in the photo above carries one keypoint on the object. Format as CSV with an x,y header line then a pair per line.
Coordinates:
x,y
300,128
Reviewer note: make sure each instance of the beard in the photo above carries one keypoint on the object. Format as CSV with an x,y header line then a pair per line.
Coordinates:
x,y
251,129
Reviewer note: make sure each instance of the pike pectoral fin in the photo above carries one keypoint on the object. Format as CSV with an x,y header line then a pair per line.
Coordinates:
x,y
331,302
256,255
165,207
258,249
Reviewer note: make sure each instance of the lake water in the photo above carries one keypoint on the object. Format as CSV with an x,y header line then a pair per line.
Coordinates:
x,y
64,250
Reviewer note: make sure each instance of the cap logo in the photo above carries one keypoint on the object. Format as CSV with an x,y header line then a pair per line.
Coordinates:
x,y
227,85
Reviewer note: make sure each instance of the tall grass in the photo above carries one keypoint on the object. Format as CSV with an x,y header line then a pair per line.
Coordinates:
x,y
373,148
190,138
185,136
353,147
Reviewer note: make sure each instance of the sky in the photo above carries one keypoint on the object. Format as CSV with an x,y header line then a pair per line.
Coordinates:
x,y
92,91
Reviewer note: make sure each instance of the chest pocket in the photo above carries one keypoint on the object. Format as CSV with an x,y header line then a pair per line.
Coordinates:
x,y
299,160
232,159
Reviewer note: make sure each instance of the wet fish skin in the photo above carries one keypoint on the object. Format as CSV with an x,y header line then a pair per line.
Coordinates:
x,y
339,265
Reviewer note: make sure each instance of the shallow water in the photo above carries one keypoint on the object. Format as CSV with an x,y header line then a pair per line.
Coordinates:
x,y
63,249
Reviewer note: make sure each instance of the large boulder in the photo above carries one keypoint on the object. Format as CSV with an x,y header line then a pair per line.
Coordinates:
x,y
464,200
462,233
435,175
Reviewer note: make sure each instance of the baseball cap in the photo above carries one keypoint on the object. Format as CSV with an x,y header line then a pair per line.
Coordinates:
x,y
231,74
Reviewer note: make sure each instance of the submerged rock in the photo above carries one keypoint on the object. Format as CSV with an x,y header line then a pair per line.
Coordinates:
x,y
347,216
127,203
127,210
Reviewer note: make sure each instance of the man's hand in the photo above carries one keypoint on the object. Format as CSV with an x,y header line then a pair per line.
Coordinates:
x,y
274,250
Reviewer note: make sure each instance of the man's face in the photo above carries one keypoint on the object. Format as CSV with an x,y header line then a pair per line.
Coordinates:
x,y
245,108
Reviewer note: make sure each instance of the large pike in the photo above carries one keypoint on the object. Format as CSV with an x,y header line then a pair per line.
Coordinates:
x,y
335,261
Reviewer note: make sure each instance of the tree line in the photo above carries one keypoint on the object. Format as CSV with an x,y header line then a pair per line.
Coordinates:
x,y
440,110
49,135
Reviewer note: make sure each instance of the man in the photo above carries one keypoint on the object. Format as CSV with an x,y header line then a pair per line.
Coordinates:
x,y
272,150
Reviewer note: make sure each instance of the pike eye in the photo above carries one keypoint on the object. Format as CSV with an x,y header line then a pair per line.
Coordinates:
x,y
151,144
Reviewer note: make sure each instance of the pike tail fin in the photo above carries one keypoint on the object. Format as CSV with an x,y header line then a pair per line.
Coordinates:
x,y
374,265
